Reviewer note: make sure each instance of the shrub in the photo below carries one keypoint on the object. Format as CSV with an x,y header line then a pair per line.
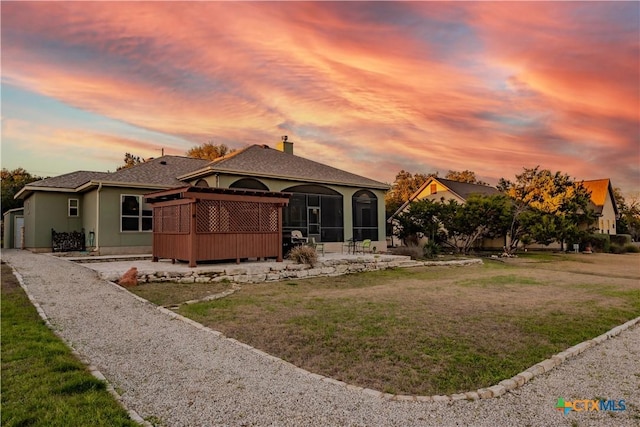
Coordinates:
x,y
617,249
304,255
620,239
431,249
631,248
598,242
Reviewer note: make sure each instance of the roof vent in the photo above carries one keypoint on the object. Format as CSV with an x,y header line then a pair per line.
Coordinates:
x,y
163,162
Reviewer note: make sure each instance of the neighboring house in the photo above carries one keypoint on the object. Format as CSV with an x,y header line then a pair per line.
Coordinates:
x,y
439,189
604,204
329,204
442,190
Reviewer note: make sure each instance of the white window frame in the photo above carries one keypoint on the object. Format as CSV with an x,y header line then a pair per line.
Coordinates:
x,y
139,217
76,207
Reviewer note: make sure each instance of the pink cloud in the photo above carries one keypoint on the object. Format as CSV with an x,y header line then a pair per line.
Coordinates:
x,y
360,89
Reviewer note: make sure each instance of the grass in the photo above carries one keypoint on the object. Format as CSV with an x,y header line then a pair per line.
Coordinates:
x,y
43,384
433,330
172,293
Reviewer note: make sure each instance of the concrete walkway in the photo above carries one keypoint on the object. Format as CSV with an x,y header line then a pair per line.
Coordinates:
x,y
183,375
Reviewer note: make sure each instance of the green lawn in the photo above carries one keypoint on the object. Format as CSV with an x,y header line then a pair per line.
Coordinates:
x,y
43,384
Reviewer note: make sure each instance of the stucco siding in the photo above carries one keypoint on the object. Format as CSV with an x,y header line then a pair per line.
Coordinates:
x,y
56,206
109,227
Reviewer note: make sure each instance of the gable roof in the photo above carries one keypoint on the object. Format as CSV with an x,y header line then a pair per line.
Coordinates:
x,y
599,189
154,173
464,190
263,161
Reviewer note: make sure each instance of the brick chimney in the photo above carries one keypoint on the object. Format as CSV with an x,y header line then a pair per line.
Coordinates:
x,y
285,146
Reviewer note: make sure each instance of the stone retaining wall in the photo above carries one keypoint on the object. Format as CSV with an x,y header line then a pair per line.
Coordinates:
x,y
271,272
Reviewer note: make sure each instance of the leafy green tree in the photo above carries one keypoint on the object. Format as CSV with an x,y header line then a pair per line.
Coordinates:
x,y
629,214
478,218
547,207
209,151
420,219
12,183
130,160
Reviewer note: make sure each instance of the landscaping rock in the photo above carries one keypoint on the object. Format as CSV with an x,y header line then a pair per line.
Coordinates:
x,y
130,278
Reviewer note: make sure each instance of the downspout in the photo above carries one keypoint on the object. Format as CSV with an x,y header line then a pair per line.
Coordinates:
x,y
97,234
217,180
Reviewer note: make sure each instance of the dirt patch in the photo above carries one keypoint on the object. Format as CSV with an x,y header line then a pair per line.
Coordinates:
x,y
9,281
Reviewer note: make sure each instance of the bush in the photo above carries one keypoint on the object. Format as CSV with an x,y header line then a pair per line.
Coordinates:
x,y
304,255
431,249
631,248
617,249
620,239
598,242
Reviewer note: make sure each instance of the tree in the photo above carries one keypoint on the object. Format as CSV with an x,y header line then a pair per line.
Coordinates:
x,y
629,212
420,218
403,187
547,207
478,218
12,183
464,176
130,160
209,151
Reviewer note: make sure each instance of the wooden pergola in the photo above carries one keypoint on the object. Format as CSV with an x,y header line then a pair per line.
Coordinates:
x,y
207,224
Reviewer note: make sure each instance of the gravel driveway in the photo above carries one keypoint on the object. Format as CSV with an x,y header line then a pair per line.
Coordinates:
x,y
184,376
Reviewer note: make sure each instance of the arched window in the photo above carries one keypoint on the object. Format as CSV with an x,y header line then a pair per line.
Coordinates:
x,y
202,183
249,184
316,211
365,215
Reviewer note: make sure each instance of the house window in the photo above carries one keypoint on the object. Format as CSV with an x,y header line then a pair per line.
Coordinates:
x,y
434,188
134,214
365,215
73,207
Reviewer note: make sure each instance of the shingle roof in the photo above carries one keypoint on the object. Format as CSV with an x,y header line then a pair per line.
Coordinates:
x,y
69,180
260,160
161,171
599,189
465,189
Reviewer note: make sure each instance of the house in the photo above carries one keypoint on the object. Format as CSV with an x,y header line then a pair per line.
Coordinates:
x,y
13,228
604,204
442,190
328,204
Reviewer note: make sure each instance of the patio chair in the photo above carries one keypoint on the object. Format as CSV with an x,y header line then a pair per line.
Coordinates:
x,y
365,246
315,245
297,238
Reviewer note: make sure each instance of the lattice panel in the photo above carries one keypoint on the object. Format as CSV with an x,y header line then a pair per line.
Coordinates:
x,y
171,219
216,216
269,217
244,216
208,218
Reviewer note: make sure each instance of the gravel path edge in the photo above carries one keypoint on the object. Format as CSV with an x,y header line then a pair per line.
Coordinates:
x,y
92,369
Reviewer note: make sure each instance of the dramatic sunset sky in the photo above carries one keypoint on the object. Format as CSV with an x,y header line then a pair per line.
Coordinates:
x,y
369,87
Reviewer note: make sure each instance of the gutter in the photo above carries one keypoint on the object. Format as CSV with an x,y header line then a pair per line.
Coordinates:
x,y
97,233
